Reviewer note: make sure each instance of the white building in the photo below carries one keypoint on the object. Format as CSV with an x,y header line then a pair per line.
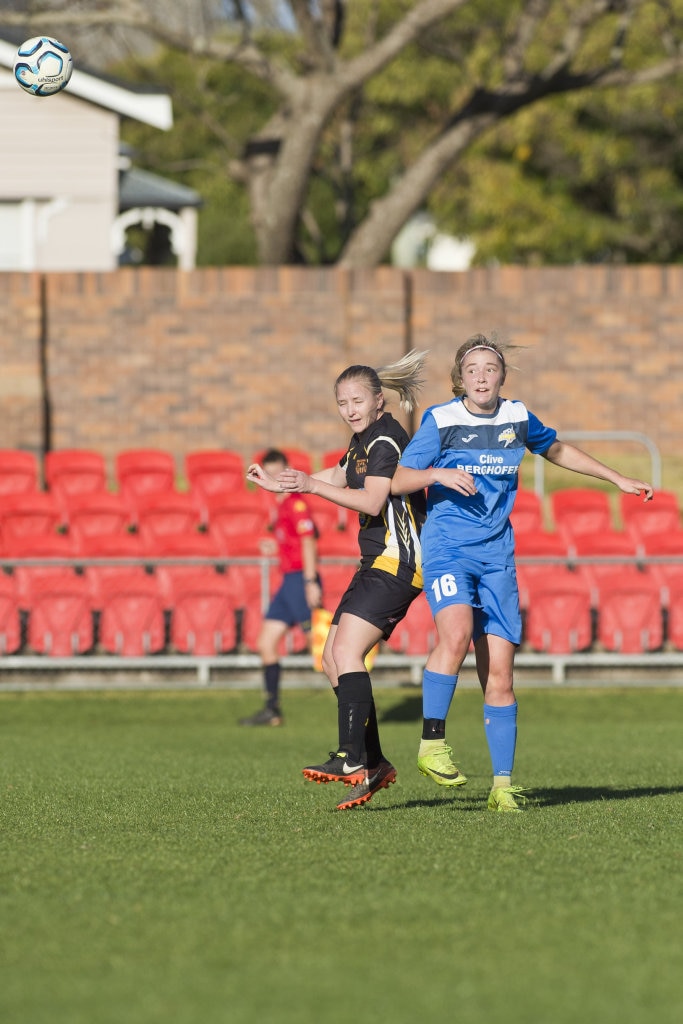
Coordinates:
x,y
61,206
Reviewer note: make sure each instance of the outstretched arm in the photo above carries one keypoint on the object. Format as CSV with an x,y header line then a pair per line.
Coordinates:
x,y
407,481
568,456
331,484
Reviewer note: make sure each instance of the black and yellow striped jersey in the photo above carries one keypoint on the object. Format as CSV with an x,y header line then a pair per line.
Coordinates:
x,y
390,540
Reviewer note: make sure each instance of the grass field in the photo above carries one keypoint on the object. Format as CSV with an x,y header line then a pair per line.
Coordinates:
x,y
158,863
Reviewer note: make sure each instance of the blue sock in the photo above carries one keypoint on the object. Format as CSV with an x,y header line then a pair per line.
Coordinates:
x,y
437,694
500,726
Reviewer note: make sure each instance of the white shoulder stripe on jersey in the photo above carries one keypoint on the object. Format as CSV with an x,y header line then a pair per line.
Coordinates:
x,y
454,413
383,437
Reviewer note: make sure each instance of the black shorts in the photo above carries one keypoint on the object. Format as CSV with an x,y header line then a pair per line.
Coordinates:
x,y
377,597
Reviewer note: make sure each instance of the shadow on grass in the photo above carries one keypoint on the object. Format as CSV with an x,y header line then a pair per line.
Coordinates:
x,y
589,794
537,797
478,804
409,710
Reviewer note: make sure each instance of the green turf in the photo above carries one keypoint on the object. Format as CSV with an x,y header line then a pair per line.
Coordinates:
x,y
158,863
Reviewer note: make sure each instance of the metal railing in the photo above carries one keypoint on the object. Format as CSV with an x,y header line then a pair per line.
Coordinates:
x,y
605,435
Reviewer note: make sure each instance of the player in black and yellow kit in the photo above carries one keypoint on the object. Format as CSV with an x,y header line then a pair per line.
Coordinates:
x,y
389,576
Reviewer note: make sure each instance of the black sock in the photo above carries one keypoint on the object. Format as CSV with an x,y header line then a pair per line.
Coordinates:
x,y
355,706
433,729
372,743
271,679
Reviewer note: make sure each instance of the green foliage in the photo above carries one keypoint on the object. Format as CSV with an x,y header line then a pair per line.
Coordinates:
x,y
574,179
588,176
158,863
217,107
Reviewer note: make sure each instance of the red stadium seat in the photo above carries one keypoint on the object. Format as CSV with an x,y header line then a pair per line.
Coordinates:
x,y
18,471
119,550
188,548
132,621
248,545
652,518
250,574
10,618
537,552
558,616
614,545
165,512
327,516
527,512
43,549
663,545
214,471
547,544
630,618
142,471
333,457
60,618
203,618
674,614
335,580
100,513
74,471
579,510
416,633
662,556
341,543
27,514
232,514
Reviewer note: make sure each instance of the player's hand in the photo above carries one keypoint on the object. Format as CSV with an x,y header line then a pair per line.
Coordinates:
x,y
637,487
257,475
457,480
313,594
294,480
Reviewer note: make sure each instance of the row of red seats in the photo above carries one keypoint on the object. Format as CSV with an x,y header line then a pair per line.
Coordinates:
x,y
76,480
242,513
563,614
581,511
102,525
625,610
147,502
137,471
141,472
134,610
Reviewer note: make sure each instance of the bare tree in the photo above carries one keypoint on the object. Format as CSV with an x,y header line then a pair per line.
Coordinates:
x,y
314,85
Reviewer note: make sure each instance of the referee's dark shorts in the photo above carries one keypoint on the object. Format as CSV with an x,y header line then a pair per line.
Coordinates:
x,y
289,602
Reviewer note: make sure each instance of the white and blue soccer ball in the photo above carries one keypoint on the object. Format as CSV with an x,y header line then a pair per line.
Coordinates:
x,y
43,66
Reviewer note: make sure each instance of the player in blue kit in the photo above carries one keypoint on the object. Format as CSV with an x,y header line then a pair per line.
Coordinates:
x,y
467,453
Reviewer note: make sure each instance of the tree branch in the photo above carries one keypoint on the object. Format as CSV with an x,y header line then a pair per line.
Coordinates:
x,y
425,14
483,109
529,20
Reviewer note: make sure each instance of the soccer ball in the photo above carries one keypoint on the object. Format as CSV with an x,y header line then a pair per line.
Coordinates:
x,y
43,66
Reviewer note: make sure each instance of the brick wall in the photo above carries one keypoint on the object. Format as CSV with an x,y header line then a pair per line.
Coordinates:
x,y
21,389
244,357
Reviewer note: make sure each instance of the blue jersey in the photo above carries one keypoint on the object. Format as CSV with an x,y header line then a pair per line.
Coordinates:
x,y
488,446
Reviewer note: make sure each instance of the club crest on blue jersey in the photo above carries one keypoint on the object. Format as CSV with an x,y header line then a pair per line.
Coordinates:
x,y
507,436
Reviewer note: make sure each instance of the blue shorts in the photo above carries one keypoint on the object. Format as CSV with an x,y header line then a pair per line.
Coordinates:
x,y
490,590
289,602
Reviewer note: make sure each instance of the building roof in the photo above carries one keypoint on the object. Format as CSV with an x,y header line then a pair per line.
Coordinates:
x,y
149,107
139,188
